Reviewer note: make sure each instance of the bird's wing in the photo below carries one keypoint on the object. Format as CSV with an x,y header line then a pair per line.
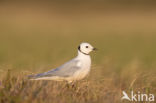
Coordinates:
x,y
67,69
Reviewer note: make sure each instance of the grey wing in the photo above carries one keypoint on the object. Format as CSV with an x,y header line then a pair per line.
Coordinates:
x,y
67,69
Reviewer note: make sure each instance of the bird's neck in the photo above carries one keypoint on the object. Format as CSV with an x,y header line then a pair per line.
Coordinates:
x,y
80,54
85,60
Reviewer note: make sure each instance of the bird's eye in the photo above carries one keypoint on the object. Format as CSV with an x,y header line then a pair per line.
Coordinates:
x,y
86,46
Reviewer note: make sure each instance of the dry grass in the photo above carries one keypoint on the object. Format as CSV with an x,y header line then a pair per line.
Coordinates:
x,y
34,40
99,87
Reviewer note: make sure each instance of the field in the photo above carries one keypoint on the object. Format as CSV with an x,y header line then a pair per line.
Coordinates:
x,y
35,38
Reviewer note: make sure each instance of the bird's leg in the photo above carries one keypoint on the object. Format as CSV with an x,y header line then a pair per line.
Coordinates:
x,y
71,84
74,84
68,84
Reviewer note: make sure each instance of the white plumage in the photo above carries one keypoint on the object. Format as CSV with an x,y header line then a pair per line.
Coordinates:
x,y
72,70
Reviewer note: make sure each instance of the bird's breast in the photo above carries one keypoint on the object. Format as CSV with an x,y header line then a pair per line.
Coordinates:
x,y
84,70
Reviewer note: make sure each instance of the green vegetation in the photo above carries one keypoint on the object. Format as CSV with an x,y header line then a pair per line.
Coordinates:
x,y
34,40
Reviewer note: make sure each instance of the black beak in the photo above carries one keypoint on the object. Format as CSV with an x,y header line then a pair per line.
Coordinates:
x,y
95,49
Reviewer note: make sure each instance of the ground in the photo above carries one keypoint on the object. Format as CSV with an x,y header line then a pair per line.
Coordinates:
x,y
34,40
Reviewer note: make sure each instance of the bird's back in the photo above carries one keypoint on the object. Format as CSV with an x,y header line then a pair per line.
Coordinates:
x,y
72,70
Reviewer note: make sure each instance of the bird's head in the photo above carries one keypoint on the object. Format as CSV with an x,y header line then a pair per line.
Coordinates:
x,y
86,48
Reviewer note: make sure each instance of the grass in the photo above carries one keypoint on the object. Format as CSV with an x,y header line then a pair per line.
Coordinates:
x,y
37,40
98,87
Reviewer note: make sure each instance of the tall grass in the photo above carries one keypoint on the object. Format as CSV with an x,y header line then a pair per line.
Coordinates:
x,y
98,87
35,40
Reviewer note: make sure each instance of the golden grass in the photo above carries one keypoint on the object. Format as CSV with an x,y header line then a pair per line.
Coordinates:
x,y
105,88
34,40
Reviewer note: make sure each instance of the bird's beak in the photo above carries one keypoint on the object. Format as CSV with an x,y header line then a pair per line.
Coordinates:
x,y
95,49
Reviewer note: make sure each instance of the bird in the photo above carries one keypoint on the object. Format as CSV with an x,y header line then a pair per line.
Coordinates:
x,y
73,70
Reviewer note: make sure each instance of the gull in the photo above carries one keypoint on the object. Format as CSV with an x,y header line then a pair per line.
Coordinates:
x,y
73,70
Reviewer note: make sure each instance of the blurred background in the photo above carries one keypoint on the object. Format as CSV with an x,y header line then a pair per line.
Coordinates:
x,y
39,35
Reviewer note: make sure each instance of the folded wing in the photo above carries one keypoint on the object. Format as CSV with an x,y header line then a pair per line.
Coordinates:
x,y
66,70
